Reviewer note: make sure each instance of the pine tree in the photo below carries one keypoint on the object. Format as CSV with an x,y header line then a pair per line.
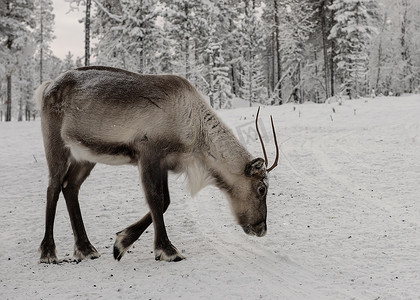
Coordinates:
x,y
127,34
273,28
219,84
25,86
381,54
16,22
224,25
394,55
300,24
187,30
322,46
289,24
250,41
219,48
409,44
68,63
44,32
352,33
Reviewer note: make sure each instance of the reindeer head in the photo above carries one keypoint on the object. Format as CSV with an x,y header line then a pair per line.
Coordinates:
x,y
248,195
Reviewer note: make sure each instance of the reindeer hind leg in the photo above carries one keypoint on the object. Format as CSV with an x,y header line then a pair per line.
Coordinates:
x,y
57,159
47,247
76,175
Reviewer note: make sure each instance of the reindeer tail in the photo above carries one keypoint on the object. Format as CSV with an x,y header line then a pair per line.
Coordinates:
x,y
39,94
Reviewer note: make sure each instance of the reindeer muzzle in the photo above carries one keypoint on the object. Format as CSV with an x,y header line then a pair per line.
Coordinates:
x,y
259,229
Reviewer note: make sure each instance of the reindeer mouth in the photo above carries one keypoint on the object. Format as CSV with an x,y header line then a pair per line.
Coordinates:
x,y
259,229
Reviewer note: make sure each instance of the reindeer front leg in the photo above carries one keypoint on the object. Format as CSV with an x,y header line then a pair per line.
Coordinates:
x,y
126,238
154,179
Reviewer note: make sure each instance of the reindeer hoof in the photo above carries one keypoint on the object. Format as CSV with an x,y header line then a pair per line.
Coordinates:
x,y
48,253
85,252
49,258
118,253
121,246
169,253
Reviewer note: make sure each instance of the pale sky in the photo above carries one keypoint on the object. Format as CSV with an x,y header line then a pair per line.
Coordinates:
x,y
69,32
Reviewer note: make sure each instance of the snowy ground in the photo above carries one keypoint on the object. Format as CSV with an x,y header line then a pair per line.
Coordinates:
x,y
343,220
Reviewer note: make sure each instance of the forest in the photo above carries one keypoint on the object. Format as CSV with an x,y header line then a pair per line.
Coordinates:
x,y
266,52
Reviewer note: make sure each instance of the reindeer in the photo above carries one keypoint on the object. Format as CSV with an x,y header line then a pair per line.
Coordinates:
x,y
158,123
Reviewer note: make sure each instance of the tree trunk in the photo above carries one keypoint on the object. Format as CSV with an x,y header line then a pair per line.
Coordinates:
x,y
332,49
27,114
301,100
211,81
317,97
20,112
332,68
87,34
8,116
325,47
378,72
405,53
41,48
269,81
233,80
273,80
250,80
295,83
141,57
187,44
278,54
232,73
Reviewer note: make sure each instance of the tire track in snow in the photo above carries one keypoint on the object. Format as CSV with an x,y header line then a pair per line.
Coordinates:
x,y
325,166
329,168
363,221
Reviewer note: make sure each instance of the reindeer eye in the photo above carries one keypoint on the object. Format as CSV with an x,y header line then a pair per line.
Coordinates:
x,y
261,190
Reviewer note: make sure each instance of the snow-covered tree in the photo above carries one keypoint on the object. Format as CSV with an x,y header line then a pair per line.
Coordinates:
x,y
127,34
44,32
300,24
68,62
250,41
16,40
409,43
219,83
352,32
273,29
323,24
187,30
52,67
394,55
223,23
24,83
289,24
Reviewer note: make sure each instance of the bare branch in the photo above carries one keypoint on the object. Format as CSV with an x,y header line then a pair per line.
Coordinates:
x,y
111,15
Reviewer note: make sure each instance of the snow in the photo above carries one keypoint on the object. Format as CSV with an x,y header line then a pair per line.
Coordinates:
x,y
343,216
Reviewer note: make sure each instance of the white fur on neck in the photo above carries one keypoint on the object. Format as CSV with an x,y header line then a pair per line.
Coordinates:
x,y
198,176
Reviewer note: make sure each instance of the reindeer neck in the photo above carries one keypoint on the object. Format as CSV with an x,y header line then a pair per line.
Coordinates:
x,y
224,153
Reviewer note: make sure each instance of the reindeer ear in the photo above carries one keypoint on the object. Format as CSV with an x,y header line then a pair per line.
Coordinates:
x,y
255,167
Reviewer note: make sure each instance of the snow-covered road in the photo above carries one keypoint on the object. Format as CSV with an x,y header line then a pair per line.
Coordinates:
x,y
343,216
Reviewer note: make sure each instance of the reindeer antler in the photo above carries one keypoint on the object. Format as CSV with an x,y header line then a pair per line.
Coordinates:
x,y
262,143
276,160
